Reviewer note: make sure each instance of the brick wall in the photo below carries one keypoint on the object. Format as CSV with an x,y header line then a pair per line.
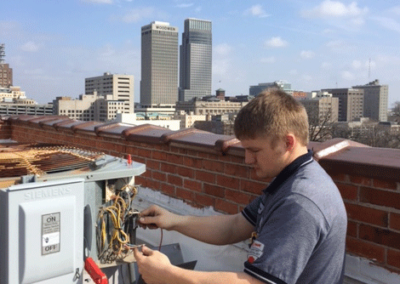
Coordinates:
x,y
204,169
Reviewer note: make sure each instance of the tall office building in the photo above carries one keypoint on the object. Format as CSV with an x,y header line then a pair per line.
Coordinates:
x,y
6,80
375,100
351,103
195,60
159,82
116,87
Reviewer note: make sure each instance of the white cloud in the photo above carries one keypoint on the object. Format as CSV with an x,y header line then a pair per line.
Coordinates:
x,y
99,1
388,23
356,64
222,49
326,65
307,54
270,59
330,8
275,42
293,72
221,60
340,46
257,11
198,9
30,46
185,5
307,77
347,75
136,15
395,10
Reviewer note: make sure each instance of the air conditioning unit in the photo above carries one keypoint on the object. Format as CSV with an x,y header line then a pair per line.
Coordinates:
x,y
57,207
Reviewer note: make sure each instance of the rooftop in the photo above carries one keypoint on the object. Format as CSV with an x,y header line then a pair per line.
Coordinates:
x,y
205,171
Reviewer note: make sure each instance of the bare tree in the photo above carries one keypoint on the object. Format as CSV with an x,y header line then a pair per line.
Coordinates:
x,y
320,124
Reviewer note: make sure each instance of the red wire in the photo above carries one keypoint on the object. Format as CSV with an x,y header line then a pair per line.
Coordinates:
x,y
159,247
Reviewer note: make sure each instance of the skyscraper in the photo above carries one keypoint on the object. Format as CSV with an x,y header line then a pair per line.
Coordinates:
x,y
117,87
375,100
195,60
159,82
6,79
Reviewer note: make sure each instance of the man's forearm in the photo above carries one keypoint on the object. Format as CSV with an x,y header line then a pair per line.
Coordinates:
x,y
217,230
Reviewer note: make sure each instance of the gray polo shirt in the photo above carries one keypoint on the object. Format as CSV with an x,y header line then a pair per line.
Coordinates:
x,y
301,223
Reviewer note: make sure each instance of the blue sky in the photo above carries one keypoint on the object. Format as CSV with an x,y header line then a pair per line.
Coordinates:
x,y
53,46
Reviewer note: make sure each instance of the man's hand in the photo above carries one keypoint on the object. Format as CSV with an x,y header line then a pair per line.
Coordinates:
x,y
152,265
155,217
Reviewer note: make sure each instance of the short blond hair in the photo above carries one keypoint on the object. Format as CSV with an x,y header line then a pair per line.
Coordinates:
x,y
272,113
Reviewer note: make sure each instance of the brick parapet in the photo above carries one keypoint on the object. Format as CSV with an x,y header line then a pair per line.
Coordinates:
x,y
205,169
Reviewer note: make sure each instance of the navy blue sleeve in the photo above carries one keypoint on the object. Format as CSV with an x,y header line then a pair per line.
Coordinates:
x,y
250,212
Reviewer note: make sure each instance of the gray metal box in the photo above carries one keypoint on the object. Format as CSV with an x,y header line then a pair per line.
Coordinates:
x,y
41,237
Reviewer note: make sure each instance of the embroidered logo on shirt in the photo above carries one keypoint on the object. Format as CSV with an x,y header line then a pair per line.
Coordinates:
x,y
260,208
256,251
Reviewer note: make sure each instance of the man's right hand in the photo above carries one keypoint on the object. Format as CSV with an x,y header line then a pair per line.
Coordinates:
x,y
155,217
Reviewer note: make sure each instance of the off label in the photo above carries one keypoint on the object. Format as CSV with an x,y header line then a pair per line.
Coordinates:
x,y
51,233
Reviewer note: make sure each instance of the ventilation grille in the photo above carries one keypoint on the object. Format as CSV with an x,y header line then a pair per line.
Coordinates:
x,y
40,159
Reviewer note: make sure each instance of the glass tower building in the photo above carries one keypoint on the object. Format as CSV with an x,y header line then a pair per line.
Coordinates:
x,y
159,70
195,60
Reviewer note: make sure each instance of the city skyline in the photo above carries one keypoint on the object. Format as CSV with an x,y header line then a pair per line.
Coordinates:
x,y
311,44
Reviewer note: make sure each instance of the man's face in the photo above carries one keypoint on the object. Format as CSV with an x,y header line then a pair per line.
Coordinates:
x,y
268,162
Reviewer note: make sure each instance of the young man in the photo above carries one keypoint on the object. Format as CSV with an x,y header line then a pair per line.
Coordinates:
x,y
298,224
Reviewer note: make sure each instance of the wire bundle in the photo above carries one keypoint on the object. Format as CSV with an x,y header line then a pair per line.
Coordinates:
x,y
116,224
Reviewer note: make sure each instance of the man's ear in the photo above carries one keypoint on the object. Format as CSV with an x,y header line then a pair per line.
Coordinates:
x,y
290,140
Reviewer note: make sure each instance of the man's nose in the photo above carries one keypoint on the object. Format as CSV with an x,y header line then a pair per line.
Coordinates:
x,y
248,158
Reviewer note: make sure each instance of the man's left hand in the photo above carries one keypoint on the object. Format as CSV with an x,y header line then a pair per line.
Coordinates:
x,y
153,265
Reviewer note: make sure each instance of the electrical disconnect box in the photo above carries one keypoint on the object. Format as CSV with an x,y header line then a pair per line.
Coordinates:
x,y
59,206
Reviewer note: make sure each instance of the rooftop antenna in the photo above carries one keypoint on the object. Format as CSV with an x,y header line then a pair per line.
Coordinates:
x,y
2,53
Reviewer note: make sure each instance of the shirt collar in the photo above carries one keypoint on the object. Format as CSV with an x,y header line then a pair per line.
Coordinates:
x,y
289,170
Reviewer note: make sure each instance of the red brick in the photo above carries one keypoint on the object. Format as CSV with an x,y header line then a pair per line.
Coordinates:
x,y
237,196
144,153
185,194
237,160
205,176
393,258
192,185
352,229
140,180
185,172
151,164
365,249
237,170
159,176
153,184
385,184
394,221
175,180
192,162
349,192
192,153
213,166
157,155
380,197
175,159
168,168
367,215
204,200
174,149
227,181
339,177
379,236
252,186
225,206
168,189
203,155
214,190
361,180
